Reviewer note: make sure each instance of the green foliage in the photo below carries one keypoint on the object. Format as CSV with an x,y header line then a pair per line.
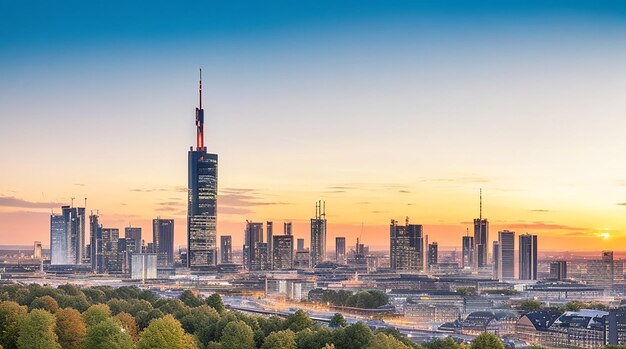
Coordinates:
x,y
71,329
364,299
338,321
299,321
614,347
354,336
108,334
531,305
446,343
390,331
37,331
466,291
215,301
201,321
46,303
165,332
96,314
190,299
383,341
237,335
280,340
11,317
309,339
487,341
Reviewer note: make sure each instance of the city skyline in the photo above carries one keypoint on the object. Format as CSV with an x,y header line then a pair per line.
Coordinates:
x,y
380,121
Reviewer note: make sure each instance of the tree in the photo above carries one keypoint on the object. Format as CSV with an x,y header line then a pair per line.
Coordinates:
x,y
531,305
165,332
129,325
37,331
574,306
96,314
46,303
446,343
201,321
298,321
11,317
466,291
70,329
354,336
487,341
237,335
190,299
215,301
280,340
107,334
383,341
338,321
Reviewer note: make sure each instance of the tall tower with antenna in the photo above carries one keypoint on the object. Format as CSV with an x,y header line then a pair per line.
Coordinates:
x,y
202,199
318,235
481,237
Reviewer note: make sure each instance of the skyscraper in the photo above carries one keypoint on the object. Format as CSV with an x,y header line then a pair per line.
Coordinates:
x,y
202,200
318,235
481,238
406,247
433,254
110,251
558,270
340,250
253,236
58,240
507,255
269,226
282,254
67,236
528,257
300,244
95,244
467,252
226,248
287,228
497,266
134,233
163,239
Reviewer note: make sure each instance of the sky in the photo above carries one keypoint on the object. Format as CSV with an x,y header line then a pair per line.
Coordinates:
x,y
383,109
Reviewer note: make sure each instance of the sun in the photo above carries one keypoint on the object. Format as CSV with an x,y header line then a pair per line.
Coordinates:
x,y
605,235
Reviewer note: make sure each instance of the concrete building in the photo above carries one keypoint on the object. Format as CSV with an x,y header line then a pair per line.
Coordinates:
x,y
318,235
340,250
163,239
226,249
406,252
528,257
143,266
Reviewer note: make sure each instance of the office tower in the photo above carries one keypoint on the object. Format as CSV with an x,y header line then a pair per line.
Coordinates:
x,y
528,257
125,248
202,200
300,244
282,253
604,272
143,266
163,239
253,236
58,240
135,234
340,250
507,255
110,239
359,252
96,252
481,238
261,256
406,247
318,235
433,254
287,228
302,260
558,270
269,226
467,252
226,248
37,250
497,266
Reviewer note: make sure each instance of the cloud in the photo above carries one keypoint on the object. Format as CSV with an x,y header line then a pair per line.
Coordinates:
x,y
539,225
621,204
151,190
466,179
344,187
79,184
404,192
10,201
171,203
240,200
540,210
233,210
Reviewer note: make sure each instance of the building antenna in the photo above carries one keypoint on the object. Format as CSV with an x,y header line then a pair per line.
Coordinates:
x,y
481,204
200,88
73,201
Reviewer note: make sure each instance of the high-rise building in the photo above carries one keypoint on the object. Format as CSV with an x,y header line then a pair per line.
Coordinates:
x,y
96,253
163,239
433,254
58,240
507,255
125,248
202,200
37,250
253,236
318,235
135,234
300,245
282,253
604,272
67,236
110,252
269,230
528,257
262,257
287,228
497,265
481,238
558,270
226,248
406,247
340,250
467,252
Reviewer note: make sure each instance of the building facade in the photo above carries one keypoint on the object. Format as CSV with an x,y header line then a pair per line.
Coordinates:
x,y
528,257
406,247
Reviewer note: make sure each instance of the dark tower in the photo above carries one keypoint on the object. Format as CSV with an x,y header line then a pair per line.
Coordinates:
x,y
202,200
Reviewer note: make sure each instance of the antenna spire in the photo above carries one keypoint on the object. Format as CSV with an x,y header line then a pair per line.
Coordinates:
x,y
200,88
481,204
200,120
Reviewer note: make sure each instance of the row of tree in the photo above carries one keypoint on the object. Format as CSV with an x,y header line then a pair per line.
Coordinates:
x,y
535,305
69,317
364,299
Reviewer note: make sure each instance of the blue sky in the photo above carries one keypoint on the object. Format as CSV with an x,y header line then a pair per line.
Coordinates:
x,y
523,98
